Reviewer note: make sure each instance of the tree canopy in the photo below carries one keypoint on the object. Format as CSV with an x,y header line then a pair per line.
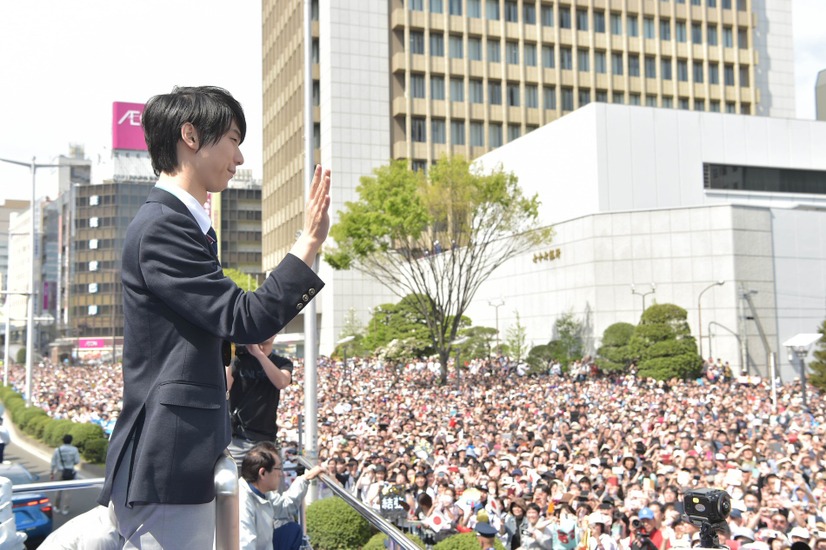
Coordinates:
x,y
614,354
436,237
818,364
663,346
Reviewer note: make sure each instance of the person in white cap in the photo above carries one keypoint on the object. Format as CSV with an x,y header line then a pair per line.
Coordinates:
x,y
600,539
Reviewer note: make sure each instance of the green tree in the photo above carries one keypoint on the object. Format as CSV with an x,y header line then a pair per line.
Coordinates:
x,y
663,345
516,339
569,334
614,355
352,327
402,322
245,281
817,367
437,237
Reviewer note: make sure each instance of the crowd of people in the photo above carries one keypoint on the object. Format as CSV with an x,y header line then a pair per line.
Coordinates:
x,y
551,461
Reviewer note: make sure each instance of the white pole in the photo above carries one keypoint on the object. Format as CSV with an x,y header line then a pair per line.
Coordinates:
x,y
31,298
310,329
8,330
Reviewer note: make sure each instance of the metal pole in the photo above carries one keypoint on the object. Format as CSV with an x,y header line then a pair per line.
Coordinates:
x,y
773,366
310,330
31,298
802,366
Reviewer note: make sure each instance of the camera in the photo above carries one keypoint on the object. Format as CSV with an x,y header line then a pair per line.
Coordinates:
x,y
707,505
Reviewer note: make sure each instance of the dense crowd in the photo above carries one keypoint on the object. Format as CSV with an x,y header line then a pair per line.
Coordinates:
x,y
551,461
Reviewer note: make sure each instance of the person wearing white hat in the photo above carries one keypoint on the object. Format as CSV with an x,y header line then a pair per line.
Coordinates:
x,y
600,539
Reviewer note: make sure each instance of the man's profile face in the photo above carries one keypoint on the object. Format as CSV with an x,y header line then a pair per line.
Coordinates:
x,y
216,164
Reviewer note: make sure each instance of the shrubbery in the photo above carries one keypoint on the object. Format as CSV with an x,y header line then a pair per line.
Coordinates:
x,y
464,541
377,541
89,438
332,524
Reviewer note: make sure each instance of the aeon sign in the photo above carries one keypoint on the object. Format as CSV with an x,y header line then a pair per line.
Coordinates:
x,y
127,132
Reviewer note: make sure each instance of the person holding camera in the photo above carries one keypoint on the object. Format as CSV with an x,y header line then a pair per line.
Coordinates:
x,y
255,380
644,532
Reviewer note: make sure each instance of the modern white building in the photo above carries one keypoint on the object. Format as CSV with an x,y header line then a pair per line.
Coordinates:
x,y
679,200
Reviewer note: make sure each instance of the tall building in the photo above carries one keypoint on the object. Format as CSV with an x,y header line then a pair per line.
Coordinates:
x,y
820,96
237,215
416,79
8,208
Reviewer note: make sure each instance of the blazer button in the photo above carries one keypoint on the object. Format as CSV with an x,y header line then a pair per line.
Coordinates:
x,y
305,298
299,305
311,292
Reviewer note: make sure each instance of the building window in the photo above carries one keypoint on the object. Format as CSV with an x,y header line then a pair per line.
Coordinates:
x,y
618,98
567,99
566,58
665,69
548,56
436,6
728,37
495,93
93,288
456,47
513,95
547,16
744,77
418,130
457,89
632,26
93,244
94,221
474,48
530,55
457,132
633,65
714,106
728,75
455,7
316,93
474,9
495,134
650,101
634,99
763,179
599,63
417,86
582,20
531,96
650,67
437,130
648,27
698,72
512,53
514,131
683,103
94,200
492,9
511,11
476,90
564,17
529,14
665,29
477,134
616,64
726,4
583,60
317,136
668,103
681,31
699,105
711,3
315,53
437,45
601,97
711,36
93,265
418,165
584,97
745,109
731,108
549,98
437,87
616,24
742,38
493,51
696,33
416,42
599,21
682,70
92,310
713,74
416,5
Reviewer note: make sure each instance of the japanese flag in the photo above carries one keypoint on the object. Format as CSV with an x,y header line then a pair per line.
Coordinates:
x,y
437,522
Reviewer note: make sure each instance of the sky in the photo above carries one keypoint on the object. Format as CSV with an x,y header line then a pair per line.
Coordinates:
x,y
63,63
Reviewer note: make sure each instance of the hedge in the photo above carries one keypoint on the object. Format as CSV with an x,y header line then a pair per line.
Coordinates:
x,y
89,438
377,541
464,541
333,525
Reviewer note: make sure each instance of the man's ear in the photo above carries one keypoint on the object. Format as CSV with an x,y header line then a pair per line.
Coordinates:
x,y
261,472
189,136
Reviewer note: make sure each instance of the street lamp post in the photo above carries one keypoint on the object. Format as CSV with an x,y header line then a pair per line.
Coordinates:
x,y
643,294
798,347
496,304
33,166
700,314
343,342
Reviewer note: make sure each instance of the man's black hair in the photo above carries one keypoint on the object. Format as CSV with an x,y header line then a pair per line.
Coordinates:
x,y
261,456
211,110
67,439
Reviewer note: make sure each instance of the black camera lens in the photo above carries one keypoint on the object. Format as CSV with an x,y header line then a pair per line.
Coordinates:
x,y
635,523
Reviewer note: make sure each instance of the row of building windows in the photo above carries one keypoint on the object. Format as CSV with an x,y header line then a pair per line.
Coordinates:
x,y
476,135
473,49
494,12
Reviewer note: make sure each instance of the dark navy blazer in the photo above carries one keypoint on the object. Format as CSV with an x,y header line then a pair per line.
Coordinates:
x,y
178,308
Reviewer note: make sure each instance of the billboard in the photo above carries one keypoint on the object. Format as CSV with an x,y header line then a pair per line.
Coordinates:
x,y
127,132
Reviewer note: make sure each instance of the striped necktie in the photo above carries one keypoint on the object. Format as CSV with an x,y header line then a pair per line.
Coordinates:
x,y
213,240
